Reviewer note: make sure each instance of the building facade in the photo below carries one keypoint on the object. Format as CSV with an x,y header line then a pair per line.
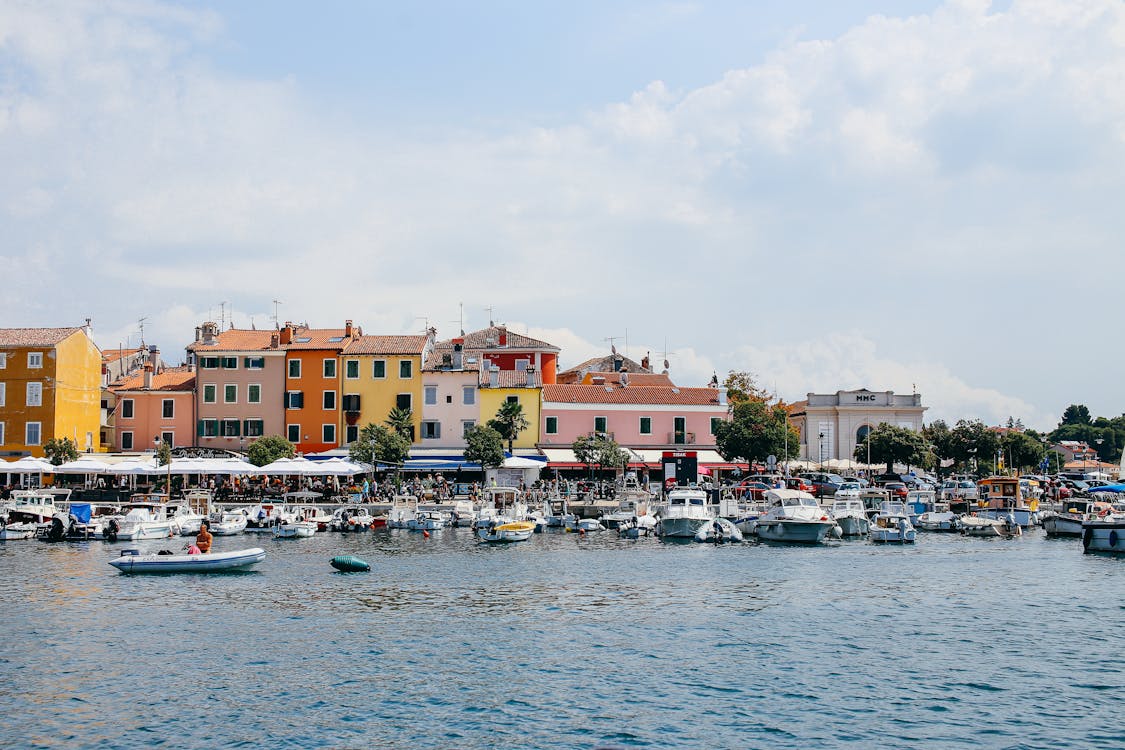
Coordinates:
x,y
450,398
498,387
832,424
378,374
155,406
496,346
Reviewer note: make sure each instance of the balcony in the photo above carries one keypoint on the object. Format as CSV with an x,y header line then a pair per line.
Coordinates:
x,y
595,433
681,438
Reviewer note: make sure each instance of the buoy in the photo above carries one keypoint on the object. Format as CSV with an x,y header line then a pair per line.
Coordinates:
x,y
349,564
425,534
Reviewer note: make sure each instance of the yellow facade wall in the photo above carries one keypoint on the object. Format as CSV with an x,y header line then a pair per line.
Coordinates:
x,y
530,399
378,396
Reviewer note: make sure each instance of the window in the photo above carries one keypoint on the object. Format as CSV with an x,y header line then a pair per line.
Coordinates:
x,y
34,362
405,371
230,394
646,425
352,433
253,427
229,363
328,433
552,426
431,430
126,441
2,441
600,424
209,393
230,427
208,428
293,433
468,395
379,369
679,429
255,363
169,438
449,399
329,400
403,401
522,364
167,408
430,392
294,400
861,433
127,408
467,425
32,433
351,369
715,423
254,393
294,368
329,368
350,402
208,363
513,399
34,394
3,397
3,360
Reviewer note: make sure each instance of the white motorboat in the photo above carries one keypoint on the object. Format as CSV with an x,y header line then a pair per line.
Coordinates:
x,y
227,523
719,530
793,516
582,525
295,529
1106,534
892,524
627,510
974,525
512,531
848,513
145,517
28,510
684,513
188,520
918,502
427,520
131,561
1075,512
637,527
939,520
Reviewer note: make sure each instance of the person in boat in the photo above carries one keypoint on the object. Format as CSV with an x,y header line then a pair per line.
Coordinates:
x,y
203,538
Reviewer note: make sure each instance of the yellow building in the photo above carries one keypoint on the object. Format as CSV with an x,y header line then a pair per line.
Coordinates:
x,y
522,386
377,374
50,387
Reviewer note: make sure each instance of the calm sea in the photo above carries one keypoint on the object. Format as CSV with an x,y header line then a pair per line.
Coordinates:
x,y
568,642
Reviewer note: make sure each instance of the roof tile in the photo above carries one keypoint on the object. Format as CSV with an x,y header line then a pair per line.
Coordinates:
x,y
652,394
34,336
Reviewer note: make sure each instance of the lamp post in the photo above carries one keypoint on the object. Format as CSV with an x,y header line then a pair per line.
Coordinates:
x,y
156,441
820,449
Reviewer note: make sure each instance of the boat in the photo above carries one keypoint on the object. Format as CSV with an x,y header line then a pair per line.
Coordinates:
x,y
627,509
145,517
1075,512
427,520
719,530
637,527
684,512
294,529
918,502
352,518
848,513
227,523
892,524
131,561
512,531
974,525
939,519
349,564
1001,497
582,525
30,509
793,516
188,520
1104,535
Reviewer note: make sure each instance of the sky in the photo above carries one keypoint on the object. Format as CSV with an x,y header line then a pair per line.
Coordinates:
x,y
906,196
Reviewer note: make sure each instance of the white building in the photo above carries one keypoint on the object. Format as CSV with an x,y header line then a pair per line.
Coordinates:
x,y
832,424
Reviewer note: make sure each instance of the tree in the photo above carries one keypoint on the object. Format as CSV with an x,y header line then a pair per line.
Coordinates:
x,y
401,420
509,422
743,386
163,453
600,450
266,450
1075,414
890,445
378,443
1022,450
484,446
755,431
60,451
974,442
941,440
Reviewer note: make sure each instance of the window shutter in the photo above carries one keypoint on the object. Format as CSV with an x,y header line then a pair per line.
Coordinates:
x,y
300,399
246,427
437,429
199,429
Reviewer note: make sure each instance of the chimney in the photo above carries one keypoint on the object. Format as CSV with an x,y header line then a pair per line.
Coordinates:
x,y
493,376
597,380
274,340
347,329
198,334
458,353
148,376
530,376
502,339
617,364
624,378
286,336
722,397
154,356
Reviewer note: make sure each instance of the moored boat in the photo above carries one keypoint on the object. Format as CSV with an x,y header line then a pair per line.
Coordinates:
x,y
1104,535
793,516
892,524
131,561
849,515
512,531
684,512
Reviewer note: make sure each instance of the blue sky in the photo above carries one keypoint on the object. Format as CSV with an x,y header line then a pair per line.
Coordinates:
x,y
830,195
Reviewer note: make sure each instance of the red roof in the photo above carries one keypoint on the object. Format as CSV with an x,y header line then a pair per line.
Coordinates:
x,y
112,355
511,379
35,336
489,339
652,394
235,340
409,344
171,379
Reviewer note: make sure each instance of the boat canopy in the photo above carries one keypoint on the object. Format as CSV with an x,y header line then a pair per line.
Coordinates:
x,y
81,512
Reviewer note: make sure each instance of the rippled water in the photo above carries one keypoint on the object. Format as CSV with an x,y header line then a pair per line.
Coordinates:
x,y
568,641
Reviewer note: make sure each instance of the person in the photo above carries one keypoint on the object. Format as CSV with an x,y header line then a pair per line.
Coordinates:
x,y
203,539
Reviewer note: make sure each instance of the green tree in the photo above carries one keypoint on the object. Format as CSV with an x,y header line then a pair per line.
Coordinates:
x,y
266,450
890,445
755,431
941,440
509,422
743,386
1075,414
163,453
974,442
401,421
601,451
60,451
484,446
378,443
1021,450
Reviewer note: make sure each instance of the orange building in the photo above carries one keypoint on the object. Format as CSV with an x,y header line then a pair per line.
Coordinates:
x,y
312,384
155,405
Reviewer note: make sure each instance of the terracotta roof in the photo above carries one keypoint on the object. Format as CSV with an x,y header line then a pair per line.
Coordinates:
x,y
113,355
318,338
235,340
34,336
489,338
511,379
656,395
601,364
171,379
636,379
409,344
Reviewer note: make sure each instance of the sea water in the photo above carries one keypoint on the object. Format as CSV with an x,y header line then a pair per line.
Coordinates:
x,y
568,641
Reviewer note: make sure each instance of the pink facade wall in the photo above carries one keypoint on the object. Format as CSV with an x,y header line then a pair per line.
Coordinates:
x,y
271,409
148,419
624,423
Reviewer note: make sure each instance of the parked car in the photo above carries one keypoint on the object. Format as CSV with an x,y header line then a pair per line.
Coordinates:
x,y
755,491
897,489
799,483
824,484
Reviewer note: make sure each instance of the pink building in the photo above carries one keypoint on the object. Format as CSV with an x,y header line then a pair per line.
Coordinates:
x,y
155,405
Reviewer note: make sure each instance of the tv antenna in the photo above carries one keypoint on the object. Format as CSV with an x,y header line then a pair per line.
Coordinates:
x,y
141,325
276,323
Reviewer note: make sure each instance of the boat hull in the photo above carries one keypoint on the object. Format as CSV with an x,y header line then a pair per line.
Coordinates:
x,y
1104,536
129,533
1062,525
853,525
680,528
796,532
217,562
519,531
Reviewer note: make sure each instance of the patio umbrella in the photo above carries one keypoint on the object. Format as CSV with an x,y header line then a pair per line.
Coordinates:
x,y
29,465
84,465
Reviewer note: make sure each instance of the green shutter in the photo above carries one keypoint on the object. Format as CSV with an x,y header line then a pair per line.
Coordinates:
x,y
199,429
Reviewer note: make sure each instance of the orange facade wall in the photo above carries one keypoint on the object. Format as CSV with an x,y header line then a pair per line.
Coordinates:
x,y
312,418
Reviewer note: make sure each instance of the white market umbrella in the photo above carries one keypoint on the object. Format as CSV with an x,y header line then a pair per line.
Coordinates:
x,y
519,462
134,467
283,467
84,465
334,467
29,465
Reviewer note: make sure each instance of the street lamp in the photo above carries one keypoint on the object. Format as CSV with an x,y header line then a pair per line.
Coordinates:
x,y
156,441
820,448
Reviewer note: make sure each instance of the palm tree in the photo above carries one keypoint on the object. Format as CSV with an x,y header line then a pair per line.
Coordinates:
x,y
402,421
509,421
